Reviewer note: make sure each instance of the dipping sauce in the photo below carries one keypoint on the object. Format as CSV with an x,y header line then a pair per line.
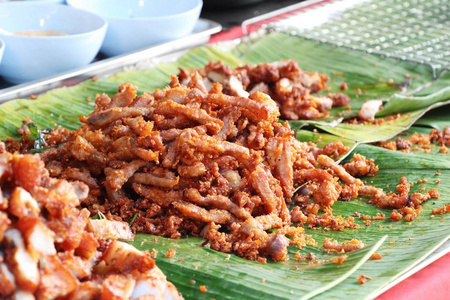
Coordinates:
x,y
40,33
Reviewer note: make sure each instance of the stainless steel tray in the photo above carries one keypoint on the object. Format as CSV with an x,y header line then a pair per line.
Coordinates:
x,y
104,67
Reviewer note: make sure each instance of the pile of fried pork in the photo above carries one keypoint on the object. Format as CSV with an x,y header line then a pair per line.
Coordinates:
x,y
49,249
293,89
191,159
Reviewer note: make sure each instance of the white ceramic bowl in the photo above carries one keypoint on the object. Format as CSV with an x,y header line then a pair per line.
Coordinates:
x,y
28,58
136,24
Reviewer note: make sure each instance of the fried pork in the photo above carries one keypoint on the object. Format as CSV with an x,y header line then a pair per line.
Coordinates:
x,y
46,251
185,161
191,159
440,137
292,88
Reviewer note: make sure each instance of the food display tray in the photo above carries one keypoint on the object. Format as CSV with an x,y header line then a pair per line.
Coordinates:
x,y
108,66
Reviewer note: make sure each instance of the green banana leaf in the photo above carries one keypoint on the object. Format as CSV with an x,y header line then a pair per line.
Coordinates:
x,y
438,118
379,132
235,278
402,103
231,277
413,241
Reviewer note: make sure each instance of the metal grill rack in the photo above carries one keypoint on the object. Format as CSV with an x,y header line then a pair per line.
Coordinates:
x,y
413,30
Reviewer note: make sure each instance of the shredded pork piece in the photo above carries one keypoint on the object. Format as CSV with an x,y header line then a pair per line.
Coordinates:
x,y
359,166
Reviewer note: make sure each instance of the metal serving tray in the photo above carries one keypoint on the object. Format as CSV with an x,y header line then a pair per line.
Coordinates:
x,y
105,67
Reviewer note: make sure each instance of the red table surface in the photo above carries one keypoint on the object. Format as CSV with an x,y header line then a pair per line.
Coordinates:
x,y
429,283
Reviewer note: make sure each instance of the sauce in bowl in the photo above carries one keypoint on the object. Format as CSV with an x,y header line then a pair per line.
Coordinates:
x,y
40,33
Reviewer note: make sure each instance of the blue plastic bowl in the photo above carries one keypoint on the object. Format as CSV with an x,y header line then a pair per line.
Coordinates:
x,y
28,58
136,24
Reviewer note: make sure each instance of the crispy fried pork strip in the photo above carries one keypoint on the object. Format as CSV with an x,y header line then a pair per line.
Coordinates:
x,y
279,154
264,109
127,93
105,117
170,108
218,201
110,229
325,191
259,180
192,171
196,212
117,178
156,195
340,171
167,181
347,246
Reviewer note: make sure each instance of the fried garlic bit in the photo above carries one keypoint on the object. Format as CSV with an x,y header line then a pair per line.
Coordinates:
x,y
441,210
408,205
46,251
362,279
440,137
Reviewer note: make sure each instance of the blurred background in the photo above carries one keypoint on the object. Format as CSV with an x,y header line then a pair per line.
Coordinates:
x,y
231,13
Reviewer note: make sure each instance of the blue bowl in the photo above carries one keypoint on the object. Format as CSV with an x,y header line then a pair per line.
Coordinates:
x,y
136,24
27,58
2,49
48,1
